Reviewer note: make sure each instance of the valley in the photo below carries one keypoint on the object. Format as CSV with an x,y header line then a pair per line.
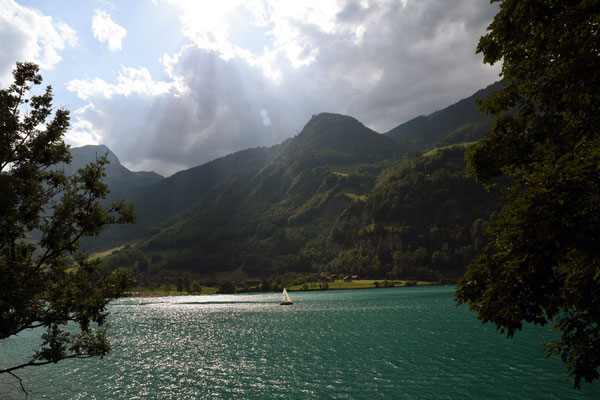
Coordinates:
x,y
338,198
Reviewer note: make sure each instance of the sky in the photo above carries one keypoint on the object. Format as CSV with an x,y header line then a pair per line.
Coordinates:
x,y
171,84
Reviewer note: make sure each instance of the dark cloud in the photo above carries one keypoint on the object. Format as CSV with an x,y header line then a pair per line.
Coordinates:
x,y
353,12
424,54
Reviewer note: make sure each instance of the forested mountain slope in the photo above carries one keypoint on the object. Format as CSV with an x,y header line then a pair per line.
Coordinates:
x,y
259,176
418,217
424,219
267,218
458,123
338,198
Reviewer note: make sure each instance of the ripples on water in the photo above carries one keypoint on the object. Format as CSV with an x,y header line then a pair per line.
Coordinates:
x,y
383,343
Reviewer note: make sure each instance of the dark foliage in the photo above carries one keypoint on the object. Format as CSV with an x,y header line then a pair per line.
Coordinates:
x,y
542,264
48,283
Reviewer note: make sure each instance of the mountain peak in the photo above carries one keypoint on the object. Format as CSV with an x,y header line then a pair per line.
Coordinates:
x,y
121,180
333,117
335,138
91,151
325,123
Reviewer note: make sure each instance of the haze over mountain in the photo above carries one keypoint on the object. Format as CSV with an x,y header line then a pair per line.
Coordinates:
x,y
122,182
337,197
460,122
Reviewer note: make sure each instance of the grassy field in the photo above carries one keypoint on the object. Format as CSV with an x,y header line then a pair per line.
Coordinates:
x,y
362,197
437,149
104,253
144,291
339,284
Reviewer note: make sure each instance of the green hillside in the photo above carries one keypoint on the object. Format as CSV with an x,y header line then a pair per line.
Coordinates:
x,y
338,198
268,219
159,204
424,219
337,139
415,218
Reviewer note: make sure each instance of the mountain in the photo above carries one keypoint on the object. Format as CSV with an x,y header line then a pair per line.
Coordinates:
x,y
195,186
332,141
338,197
256,178
122,182
458,123
337,139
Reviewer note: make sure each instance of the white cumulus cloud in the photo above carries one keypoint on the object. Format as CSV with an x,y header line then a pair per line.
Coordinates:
x,y
107,31
129,81
28,35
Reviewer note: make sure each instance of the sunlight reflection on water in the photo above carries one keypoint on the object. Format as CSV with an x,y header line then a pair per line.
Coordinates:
x,y
385,343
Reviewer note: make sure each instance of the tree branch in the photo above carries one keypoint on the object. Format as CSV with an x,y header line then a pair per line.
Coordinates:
x,y
37,364
20,383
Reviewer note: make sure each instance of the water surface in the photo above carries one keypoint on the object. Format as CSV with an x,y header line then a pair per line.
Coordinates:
x,y
359,344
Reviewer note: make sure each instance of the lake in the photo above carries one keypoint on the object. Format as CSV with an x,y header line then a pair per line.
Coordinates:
x,y
400,343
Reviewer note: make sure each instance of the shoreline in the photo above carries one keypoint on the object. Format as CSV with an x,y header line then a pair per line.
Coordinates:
x,y
134,294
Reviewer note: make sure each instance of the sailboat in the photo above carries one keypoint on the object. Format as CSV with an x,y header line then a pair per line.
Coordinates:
x,y
285,299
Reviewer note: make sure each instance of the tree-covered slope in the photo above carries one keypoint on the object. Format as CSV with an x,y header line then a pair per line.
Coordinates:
x,y
160,204
253,179
328,140
424,217
337,139
418,217
196,185
264,217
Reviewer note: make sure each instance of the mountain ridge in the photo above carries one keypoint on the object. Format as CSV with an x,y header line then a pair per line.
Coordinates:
x,y
337,197
122,183
459,122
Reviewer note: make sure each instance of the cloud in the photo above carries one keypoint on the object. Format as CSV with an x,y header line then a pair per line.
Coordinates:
x,y
129,81
255,72
91,121
210,107
29,35
386,53
107,31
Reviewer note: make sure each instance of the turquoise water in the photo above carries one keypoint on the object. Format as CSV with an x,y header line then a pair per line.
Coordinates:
x,y
361,344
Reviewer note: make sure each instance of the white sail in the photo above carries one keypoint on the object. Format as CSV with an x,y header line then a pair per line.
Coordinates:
x,y
285,299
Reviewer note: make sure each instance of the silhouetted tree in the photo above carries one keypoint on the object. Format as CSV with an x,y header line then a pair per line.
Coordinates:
x,y
48,282
542,263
